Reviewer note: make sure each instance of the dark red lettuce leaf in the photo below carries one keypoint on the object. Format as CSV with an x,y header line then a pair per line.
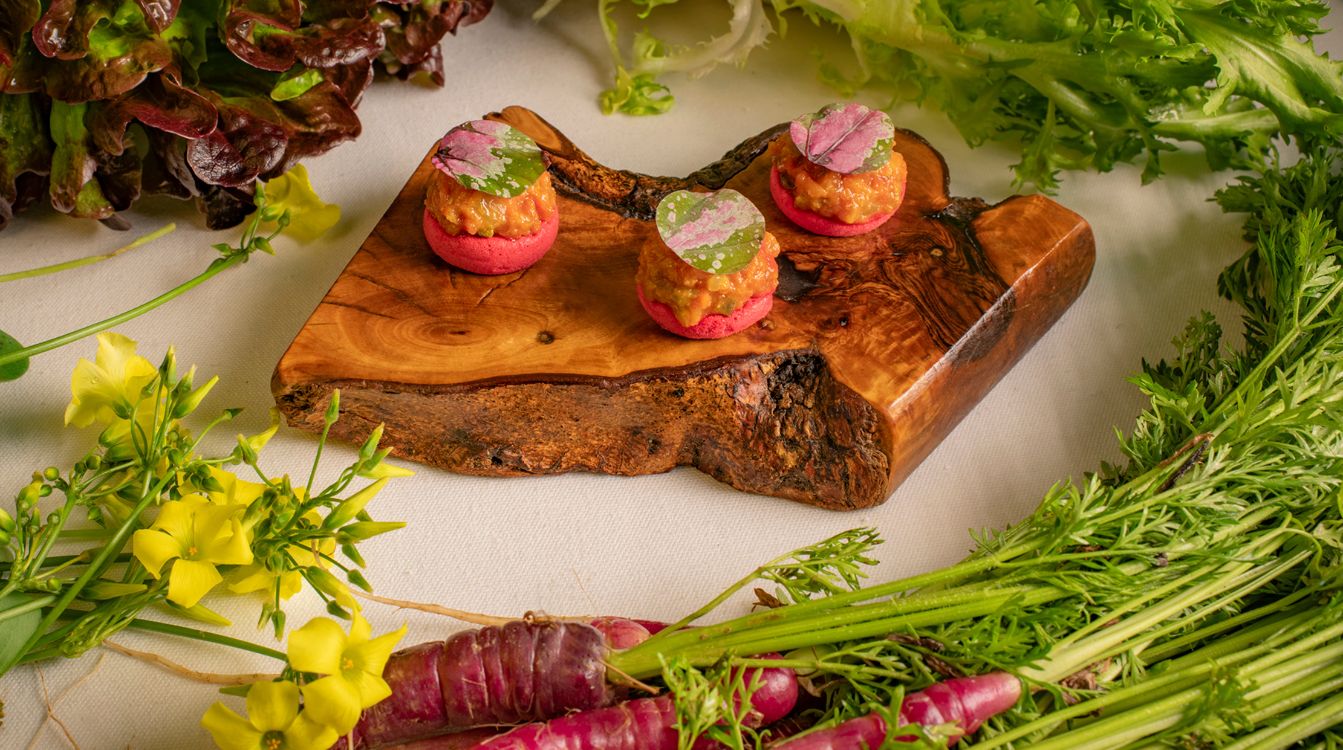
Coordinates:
x,y
160,102
25,149
419,26
260,137
249,142
352,80
165,170
16,22
226,207
102,100
268,37
118,177
85,69
330,10
63,31
159,14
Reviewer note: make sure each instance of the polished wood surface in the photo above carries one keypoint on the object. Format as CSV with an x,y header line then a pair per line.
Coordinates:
x,y
876,347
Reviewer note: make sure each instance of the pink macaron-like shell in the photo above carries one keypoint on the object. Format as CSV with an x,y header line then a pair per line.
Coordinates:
x,y
490,256
814,222
712,326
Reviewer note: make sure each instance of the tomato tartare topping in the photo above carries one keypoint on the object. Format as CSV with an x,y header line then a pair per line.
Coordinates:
x,y
692,294
850,198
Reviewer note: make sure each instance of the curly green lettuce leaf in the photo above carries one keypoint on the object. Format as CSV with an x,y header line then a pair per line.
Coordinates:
x,y
1076,87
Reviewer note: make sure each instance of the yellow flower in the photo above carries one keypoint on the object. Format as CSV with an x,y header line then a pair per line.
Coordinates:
x,y
292,193
354,664
259,577
273,722
111,382
234,491
198,535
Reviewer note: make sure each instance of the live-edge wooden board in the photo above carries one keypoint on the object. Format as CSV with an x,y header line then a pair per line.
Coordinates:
x,y
876,347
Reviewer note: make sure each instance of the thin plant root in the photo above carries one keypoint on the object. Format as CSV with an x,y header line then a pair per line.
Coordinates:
x,y
51,705
631,682
208,678
474,618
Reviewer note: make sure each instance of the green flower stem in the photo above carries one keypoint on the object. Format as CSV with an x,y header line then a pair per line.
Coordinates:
x,y
26,607
180,631
104,557
216,267
95,533
205,636
90,260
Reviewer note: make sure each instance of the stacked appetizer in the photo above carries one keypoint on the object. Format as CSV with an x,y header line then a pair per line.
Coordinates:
x,y
836,172
490,206
714,271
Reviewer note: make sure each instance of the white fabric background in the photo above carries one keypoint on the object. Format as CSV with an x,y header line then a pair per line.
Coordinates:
x,y
651,546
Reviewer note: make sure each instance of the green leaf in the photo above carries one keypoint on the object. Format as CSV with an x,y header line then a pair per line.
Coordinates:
x,y
845,138
717,232
491,157
15,631
292,86
13,370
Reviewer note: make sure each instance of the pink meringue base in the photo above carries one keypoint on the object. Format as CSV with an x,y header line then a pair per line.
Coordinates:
x,y
814,222
714,325
490,256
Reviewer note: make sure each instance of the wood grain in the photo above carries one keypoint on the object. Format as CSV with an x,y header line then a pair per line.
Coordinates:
x,y
876,347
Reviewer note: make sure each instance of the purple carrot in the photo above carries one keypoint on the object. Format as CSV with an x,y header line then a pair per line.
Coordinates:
x,y
965,701
621,632
493,676
643,723
463,740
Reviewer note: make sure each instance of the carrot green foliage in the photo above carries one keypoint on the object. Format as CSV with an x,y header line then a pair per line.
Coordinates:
x,y
1191,595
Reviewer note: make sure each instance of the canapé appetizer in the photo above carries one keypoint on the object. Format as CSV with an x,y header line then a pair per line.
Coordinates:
x,y
713,271
490,206
835,172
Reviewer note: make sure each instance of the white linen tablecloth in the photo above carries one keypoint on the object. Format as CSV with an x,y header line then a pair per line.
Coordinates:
x,y
654,546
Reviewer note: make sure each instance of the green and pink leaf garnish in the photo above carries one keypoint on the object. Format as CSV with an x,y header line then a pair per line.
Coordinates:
x,y
491,157
717,232
845,138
